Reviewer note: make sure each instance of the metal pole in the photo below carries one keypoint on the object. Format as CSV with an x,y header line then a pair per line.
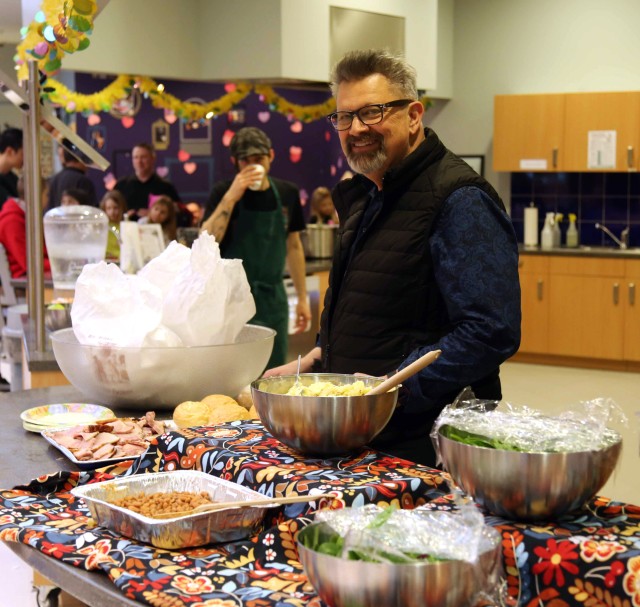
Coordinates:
x,y
32,172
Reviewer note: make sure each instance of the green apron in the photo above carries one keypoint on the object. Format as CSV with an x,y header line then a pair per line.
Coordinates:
x,y
260,240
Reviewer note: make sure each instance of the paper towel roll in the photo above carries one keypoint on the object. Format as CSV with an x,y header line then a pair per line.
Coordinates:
x,y
531,227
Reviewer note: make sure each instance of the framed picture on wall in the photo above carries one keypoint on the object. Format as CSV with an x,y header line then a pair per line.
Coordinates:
x,y
476,162
160,135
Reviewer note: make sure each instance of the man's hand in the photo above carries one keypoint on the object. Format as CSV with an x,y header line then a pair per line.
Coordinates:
x,y
303,315
306,365
242,181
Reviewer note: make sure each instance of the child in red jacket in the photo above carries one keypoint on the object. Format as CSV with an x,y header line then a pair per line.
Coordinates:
x,y
13,235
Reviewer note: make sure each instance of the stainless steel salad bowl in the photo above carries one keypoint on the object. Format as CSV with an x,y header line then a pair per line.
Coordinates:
x,y
528,486
342,583
322,425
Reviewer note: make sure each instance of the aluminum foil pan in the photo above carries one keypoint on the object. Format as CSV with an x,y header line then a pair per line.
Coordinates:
x,y
187,531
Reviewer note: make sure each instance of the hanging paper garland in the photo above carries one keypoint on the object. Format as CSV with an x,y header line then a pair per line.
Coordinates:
x,y
102,101
60,27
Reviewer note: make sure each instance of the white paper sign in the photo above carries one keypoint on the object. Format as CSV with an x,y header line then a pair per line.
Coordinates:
x,y
533,164
602,150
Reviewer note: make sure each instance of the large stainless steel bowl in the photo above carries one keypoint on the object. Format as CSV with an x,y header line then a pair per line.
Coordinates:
x,y
528,486
162,377
322,425
343,583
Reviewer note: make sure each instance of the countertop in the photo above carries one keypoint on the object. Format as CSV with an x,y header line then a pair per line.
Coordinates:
x,y
36,457
583,251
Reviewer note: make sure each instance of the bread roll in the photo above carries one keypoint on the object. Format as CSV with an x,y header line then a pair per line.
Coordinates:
x,y
218,399
244,398
191,413
227,412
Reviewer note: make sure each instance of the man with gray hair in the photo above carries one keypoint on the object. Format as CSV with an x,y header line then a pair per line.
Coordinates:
x,y
427,258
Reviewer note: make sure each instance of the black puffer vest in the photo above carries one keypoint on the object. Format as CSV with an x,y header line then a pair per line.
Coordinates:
x,y
386,302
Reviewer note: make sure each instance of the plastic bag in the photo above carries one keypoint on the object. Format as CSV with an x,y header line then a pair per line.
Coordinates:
x,y
521,428
189,297
210,301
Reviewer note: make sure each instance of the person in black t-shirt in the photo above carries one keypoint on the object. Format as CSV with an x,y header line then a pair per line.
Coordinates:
x,y
72,176
144,182
258,218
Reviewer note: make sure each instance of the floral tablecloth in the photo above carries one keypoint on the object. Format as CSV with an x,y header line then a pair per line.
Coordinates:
x,y
590,558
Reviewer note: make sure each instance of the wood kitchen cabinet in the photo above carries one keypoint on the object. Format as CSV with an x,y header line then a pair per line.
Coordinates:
x,y
579,310
534,285
528,132
550,132
586,310
631,297
585,112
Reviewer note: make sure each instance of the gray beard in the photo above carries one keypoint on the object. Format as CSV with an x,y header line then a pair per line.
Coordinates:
x,y
369,163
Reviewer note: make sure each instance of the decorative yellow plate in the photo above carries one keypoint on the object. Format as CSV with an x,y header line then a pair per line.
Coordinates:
x,y
63,415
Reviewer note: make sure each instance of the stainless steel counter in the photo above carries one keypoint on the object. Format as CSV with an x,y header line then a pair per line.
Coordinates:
x,y
27,455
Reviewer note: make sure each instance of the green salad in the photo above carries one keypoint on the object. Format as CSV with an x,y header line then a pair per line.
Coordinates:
x,y
477,440
333,544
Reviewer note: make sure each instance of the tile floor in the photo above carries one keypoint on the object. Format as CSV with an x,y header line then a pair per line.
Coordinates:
x,y
542,387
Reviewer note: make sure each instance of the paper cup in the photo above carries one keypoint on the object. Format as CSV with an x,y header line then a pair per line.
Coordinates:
x,y
255,185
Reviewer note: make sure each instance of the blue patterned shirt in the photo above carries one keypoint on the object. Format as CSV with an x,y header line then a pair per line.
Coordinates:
x,y
475,261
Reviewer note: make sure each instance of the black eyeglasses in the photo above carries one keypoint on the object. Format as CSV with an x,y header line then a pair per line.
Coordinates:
x,y
369,114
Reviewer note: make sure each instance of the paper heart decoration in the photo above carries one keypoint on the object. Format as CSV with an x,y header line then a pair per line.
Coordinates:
x,y
295,153
333,170
264,116
190,168
162,171
229,87
227,137
304,196
109,181
183,156
170,117
340,162
127,122
327,136
93,120
296,127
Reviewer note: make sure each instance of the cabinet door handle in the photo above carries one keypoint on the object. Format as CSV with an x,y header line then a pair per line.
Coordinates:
x,y
616,293
630,157
540,291
632,294
554,158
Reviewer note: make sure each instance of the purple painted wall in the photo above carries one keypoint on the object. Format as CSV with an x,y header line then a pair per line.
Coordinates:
x,y
321,161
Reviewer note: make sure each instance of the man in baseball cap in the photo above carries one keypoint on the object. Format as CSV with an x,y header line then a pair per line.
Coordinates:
x,y
258,218
250,141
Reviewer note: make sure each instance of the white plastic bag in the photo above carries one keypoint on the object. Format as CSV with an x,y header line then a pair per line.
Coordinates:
x,y
210,301
184,296
112,308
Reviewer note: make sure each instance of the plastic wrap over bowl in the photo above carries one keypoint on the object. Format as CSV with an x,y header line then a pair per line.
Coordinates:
x,y
341,583
322,425
187,531
528,486
162,377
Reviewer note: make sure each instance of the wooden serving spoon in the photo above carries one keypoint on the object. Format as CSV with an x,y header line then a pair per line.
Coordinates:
x,y
275,501
408,371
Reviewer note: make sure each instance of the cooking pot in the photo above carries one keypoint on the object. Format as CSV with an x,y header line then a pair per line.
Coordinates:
x,y
321,240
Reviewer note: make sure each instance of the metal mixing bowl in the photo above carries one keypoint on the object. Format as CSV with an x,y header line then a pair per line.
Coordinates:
x,y
528,486
162,377
322,425
57,318
343,583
